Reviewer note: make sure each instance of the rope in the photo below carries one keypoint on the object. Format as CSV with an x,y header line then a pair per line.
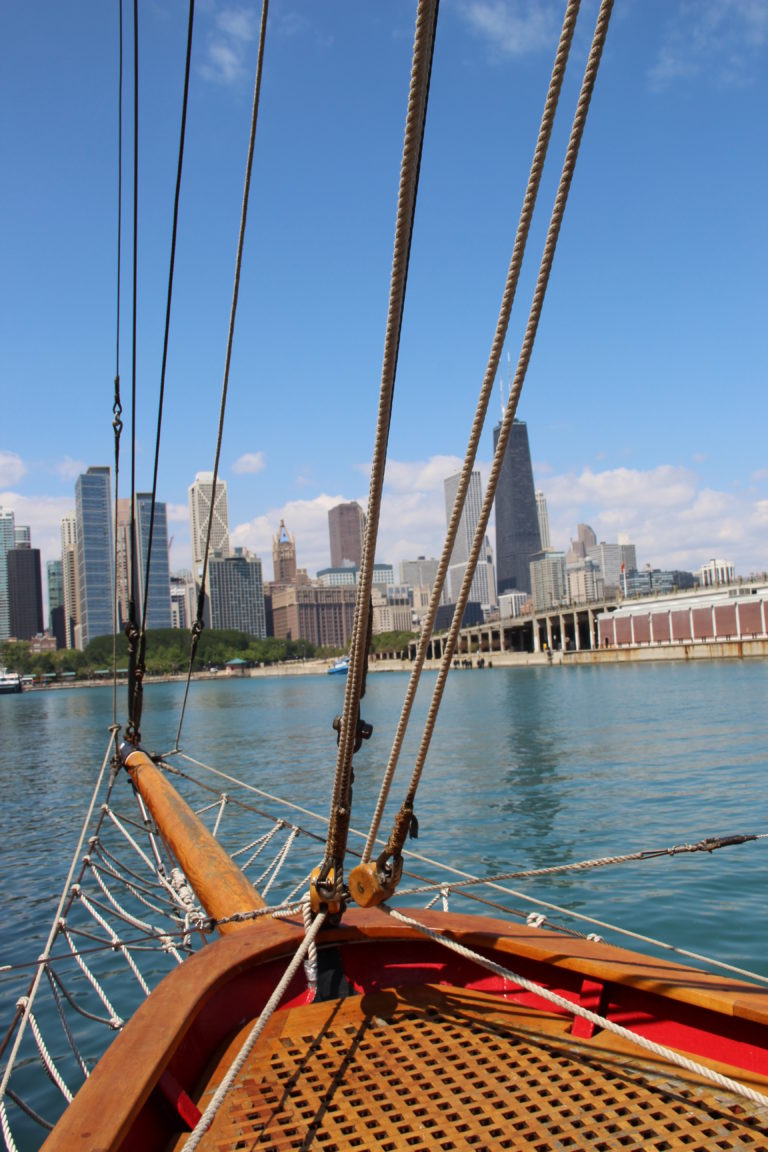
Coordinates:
x,y
510,289
398,836
198,625
55,926
117,407
423,48
206,1119
659,1050
710,844
48,1062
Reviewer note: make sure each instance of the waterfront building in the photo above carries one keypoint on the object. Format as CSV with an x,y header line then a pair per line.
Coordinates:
x,y
284,556
716,572
346,528
518,538
236,591
323,616
7,542
347,576
391,610
25,592
513,605
183,599
548,582
201,497
69,573
614,561
654,581
542,514
158,592
585,583
483,587
419,573
343,577
54,575
123,552
95,558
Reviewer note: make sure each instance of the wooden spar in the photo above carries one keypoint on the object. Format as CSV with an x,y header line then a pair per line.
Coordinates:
x,y
220,886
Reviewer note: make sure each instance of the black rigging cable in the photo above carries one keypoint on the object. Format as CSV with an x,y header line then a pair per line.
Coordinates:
x,y
197,627
136,689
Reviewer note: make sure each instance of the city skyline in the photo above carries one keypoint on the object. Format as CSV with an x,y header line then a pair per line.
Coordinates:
x,y
646,386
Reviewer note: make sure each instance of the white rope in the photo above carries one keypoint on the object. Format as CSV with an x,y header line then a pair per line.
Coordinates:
x,y
278,862
45,1055
65,1024
115,940
669,1054
206,1119
9,1142
114,1020
56,920
265,840
258,844
222,806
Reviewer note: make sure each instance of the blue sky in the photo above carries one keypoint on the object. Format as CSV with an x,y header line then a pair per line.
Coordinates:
x,y
646,395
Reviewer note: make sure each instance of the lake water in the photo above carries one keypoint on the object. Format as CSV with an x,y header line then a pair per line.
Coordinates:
x,y
529,767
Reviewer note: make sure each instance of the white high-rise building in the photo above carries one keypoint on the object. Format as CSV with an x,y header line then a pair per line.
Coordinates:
x,y
543,515
7,542
69,570
201,497
483,589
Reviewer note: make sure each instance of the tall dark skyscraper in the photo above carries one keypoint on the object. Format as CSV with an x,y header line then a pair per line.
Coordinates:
x,y
517,522
25,593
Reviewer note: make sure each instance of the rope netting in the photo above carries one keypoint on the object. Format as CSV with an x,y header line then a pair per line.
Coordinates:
x,y
127,915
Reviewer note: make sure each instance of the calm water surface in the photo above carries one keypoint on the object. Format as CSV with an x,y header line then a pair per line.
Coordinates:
x,y
528,768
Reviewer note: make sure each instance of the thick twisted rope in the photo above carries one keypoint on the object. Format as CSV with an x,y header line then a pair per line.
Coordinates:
x,y
423,48
537,304
510,289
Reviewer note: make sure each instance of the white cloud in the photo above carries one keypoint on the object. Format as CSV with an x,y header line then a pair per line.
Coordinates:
x,y
250,463
43,514
674,521
177,513
12,468
718,39
514,27
234,30
69,469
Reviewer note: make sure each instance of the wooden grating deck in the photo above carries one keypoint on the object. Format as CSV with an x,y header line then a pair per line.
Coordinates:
x,y
427,1067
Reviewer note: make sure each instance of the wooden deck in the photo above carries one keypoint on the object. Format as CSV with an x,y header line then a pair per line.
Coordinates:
x,y
427,1068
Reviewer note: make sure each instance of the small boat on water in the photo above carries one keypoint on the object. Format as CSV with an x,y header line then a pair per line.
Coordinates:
x,y
335,1018
10,682
339,667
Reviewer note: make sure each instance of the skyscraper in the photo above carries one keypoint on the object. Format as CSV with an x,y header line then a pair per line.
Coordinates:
x,y
237,593
7,542
25,592
95,563
69,568
54,571
200,498
517,524
158,613
543,517
284,556
482,590
346,528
